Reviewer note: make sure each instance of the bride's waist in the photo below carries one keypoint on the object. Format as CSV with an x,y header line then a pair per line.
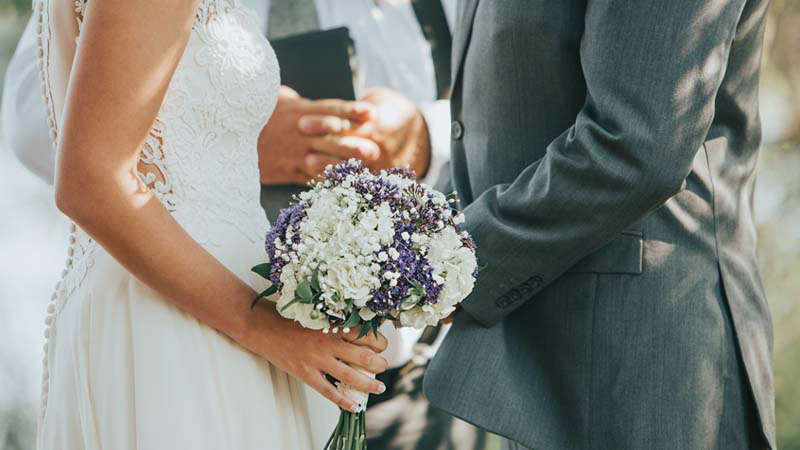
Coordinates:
x,y
235,241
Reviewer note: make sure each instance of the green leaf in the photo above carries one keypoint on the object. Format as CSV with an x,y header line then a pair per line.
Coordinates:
x,y
290,304
353,320
269,291
315,281
419,289
263,270
304,292
410,301
265,293
376,322
365,327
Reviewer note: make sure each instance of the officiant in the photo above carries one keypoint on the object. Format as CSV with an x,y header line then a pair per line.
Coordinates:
x,y
391,55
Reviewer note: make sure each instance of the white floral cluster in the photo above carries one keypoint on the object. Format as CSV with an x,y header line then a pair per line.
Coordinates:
x,y
336,258
453,266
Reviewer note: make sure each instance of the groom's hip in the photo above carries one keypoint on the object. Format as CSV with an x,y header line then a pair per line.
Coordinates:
x,y
603,357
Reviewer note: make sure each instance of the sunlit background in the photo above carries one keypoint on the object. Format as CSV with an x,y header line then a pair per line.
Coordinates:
x,y
33,238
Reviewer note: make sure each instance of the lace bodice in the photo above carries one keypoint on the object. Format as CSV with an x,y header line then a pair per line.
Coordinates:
x,y
200,156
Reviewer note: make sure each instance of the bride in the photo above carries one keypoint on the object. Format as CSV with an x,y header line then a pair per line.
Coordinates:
x,y
155,108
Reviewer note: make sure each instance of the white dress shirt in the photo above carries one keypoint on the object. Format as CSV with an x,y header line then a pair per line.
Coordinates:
x,y
392,52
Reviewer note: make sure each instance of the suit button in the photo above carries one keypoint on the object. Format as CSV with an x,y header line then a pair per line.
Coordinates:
x,y
456,130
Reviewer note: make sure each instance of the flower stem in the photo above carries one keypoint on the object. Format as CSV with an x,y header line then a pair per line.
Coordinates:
x,y
334,435
351,431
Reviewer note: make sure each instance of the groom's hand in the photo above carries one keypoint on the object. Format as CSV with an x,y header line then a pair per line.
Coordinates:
x,y
287,156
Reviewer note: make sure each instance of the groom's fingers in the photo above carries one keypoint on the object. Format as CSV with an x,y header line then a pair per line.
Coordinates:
x,y
354,378
324,387
345,147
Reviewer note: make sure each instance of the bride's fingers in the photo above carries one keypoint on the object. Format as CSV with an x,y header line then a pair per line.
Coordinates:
x,y
329,391
377,344
354,378
362,357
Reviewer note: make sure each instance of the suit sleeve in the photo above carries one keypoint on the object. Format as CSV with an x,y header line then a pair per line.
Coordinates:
x,y
23,111
652,69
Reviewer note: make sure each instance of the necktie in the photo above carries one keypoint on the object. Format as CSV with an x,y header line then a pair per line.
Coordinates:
x,y
292,17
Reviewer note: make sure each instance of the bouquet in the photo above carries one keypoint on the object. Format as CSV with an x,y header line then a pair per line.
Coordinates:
x,y
359,248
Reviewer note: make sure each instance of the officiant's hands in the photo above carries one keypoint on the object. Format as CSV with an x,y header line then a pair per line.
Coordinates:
x,y
384,129
396,126
399,129
288,156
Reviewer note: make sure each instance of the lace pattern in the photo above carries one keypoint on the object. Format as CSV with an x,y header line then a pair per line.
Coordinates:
x,y
199,158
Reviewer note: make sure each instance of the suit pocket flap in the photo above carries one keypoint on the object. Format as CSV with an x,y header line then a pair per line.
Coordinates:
x,y
622,255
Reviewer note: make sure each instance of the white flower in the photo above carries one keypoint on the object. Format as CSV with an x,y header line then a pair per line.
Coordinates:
x,y
304,313
366,314
416,318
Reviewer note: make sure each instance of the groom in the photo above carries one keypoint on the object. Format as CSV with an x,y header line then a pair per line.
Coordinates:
x,y
604,152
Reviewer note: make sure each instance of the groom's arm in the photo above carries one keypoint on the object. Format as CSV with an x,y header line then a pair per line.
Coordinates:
x,y
652,70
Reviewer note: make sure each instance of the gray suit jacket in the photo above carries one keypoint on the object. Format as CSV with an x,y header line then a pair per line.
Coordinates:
x,y
605,153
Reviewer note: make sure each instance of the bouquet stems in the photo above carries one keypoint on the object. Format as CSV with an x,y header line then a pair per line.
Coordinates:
x,y
350,432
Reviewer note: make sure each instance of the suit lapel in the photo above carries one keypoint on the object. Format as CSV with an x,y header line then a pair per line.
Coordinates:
x,y
466,17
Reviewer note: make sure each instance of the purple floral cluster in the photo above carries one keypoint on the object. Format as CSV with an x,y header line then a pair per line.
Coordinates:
x,y
288,220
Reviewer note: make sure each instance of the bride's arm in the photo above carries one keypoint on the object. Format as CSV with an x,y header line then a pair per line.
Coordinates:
x,y
128,53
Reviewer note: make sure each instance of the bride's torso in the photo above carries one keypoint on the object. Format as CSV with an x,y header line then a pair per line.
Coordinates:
x,y
200,156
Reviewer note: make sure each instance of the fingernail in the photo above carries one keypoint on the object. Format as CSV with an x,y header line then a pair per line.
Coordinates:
x,y
381,388
304,124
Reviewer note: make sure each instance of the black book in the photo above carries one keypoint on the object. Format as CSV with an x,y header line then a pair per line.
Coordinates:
x,y
319,64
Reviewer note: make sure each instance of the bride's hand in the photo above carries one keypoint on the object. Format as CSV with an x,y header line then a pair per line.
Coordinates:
x,y
310,354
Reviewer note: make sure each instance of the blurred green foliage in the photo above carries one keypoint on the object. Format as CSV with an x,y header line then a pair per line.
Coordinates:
x,y
779,225
20,6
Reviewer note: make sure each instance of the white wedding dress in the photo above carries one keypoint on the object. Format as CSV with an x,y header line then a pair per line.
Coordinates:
x,y
124,369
